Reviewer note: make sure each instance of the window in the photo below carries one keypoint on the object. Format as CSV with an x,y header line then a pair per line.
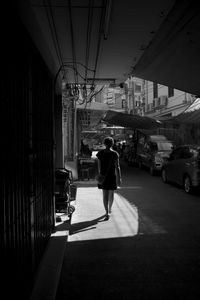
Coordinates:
x,y
182,153
123,103
138,88
154,147
170,92
155,90
176,154
164,146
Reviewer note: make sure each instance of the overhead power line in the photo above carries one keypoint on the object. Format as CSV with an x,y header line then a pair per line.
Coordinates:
x,y
52,25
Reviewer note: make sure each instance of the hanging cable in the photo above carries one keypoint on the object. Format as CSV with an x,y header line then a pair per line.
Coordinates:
x,y
50,17
75,70
88,39
99,38
73,43
79,63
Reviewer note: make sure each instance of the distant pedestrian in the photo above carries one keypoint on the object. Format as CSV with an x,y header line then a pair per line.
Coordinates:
x,y
108,165
85,150
123,146
122,149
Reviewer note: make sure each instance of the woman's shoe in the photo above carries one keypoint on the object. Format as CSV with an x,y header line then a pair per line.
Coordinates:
x,y
106,218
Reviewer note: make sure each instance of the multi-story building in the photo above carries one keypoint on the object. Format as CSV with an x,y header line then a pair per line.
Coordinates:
x,y
163,101
147,98
142,97
155,100
135,96
114,97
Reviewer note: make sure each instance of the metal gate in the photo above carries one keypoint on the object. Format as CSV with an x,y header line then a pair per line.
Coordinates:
x,y
27,207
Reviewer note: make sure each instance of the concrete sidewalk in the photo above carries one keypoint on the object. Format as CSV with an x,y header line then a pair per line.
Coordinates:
x,y
87,223
93,244
88,219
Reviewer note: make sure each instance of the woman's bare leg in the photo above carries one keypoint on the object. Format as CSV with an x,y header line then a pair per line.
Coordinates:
x,y
105,200
110,200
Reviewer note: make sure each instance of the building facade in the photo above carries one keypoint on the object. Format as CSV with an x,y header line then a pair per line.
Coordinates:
x,y
153,99
163,101
113,96
135,95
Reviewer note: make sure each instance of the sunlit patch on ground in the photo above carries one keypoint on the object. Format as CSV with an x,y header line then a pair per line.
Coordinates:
x,y
125,220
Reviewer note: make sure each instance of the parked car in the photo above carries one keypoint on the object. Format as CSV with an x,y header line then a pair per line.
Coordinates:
x,y
183,167
153,151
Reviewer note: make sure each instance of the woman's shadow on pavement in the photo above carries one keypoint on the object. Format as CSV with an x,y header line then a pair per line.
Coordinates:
x,y
83,226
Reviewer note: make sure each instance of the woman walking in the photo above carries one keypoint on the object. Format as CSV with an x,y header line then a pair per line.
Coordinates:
x,y
108,165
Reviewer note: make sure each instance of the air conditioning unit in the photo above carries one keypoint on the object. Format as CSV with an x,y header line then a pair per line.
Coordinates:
x,y
150,106
163,100
156,102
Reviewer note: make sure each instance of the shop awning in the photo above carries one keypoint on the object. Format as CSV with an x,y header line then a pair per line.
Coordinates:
x,y
130,121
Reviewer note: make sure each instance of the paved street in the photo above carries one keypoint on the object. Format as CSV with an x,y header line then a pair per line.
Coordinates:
x,y
149,249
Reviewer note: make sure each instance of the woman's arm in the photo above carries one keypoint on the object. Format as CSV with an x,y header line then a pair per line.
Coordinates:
x,y
118,172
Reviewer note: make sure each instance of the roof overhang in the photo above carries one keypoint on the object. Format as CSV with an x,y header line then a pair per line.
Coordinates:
x,y
154,40
172,58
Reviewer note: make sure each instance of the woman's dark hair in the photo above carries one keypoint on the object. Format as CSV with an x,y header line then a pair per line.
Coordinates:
x,y
108,141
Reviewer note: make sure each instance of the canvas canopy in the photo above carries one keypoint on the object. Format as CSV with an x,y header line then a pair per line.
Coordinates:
x,y
130,121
